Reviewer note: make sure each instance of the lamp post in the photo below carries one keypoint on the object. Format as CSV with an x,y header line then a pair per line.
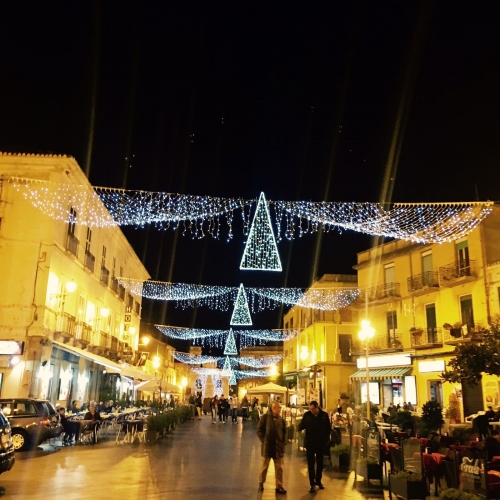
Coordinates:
x,y
365,335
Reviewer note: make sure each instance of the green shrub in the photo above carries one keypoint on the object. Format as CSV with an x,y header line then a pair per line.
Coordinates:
x,y
402,418
432,415
340,449
454,494
410,476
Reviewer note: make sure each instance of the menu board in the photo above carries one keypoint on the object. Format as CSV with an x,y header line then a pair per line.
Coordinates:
x,y
373,444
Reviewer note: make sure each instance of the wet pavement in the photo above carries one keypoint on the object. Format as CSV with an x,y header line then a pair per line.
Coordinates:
x,y
197,461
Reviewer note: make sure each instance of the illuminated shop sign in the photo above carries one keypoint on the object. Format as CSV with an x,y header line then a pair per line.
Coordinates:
x,y
383,361
10,347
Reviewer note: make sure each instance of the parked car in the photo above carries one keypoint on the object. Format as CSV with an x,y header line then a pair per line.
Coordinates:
x,y
33,421
6,447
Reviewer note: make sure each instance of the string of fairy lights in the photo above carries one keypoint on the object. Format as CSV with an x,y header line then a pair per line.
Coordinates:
x,y
218,338
259,299
201,215
195,359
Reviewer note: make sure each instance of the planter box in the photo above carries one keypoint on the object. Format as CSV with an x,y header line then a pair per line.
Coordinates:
x,y
341,462
407,489
152,436
368,471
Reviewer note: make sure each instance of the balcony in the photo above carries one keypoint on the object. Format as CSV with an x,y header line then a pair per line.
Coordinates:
x,y
83,333
66,326
379,343
427,338
453,336
423,283
458,273
115,344
104,276
381,294
72,244
114,285
102,340
89,261
121,292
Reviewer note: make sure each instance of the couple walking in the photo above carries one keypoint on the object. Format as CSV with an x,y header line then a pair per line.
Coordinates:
x,y
271,431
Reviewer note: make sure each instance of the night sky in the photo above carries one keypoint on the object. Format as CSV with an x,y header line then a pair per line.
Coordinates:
x,y
230,99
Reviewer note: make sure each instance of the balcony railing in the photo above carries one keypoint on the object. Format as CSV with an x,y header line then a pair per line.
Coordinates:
x,y
72,244
104,275
381,293
457,272
66,324
464,334
121,292
426,337
115,343
102,339
379,343
423,281
89,261
83,332
114,284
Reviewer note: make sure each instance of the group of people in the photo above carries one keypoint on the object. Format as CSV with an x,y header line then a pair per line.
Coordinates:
x,y
271,430
72,427
220,406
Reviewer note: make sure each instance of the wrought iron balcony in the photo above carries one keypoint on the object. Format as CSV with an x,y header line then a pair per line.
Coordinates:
x,y
379,343
115,344
89,261
83,332
461,334
426,338
102,339
72,244
381,294
422,282
66,324
457,273
104,275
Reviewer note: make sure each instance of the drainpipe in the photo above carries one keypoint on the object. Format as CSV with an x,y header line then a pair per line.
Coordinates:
x,y
485,274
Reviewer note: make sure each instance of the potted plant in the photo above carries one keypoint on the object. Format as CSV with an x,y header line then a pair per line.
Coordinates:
x,y
368,468
456,330
432,416
153,432
341,457
416,332
407,485
454,494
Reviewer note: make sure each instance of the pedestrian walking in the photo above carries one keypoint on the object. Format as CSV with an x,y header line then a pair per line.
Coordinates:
x,y
234,409
214,407
244,408
316,423
199,405
223,409
271,430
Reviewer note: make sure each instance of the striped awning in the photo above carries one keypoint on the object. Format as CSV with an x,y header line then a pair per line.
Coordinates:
x,y
382,373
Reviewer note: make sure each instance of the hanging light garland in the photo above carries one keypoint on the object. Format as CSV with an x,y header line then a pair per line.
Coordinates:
x,y
217,338
201,215
263,362
195,359
239,374
222,297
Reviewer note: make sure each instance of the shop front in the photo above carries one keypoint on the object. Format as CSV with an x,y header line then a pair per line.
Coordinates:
x,y
390,380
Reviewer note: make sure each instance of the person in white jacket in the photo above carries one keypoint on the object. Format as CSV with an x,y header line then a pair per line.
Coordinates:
x,y
234,409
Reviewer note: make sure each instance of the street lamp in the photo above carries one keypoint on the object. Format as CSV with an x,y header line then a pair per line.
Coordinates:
x,y
365,335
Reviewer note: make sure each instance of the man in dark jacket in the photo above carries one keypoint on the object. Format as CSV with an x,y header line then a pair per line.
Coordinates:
x,y
317,426
271,430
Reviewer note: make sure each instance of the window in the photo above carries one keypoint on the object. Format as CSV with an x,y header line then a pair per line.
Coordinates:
x,y
22,408
113,271
345,342
389,273
121,272
103,257
466,310
392,326
463,262
291,323
72,221
88,240
427,269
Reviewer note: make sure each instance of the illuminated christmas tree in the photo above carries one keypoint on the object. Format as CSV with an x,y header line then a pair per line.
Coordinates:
x,y
230,345
261,252
241,313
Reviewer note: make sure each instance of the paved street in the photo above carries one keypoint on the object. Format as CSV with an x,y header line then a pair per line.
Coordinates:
x,y
198,461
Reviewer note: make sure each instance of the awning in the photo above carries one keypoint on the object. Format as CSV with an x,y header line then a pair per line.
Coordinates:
x,y
155,385
110,366
133,372
382,373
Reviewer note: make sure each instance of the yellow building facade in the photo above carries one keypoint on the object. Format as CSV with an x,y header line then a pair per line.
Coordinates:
x,y
75,326
317,363
422,301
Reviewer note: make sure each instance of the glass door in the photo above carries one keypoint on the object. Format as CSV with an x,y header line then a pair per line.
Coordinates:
x,y
430,316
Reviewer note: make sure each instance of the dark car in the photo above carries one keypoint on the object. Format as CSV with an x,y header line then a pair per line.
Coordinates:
x,y
6,447
33,421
